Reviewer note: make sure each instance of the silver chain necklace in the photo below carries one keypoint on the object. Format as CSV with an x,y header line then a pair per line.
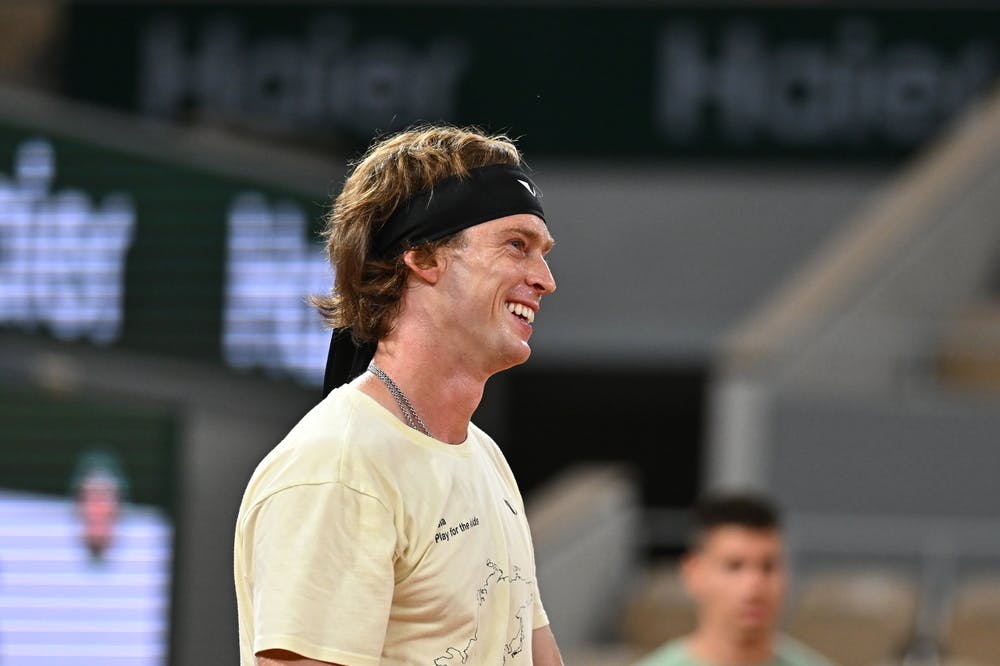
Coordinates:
x,y
409,413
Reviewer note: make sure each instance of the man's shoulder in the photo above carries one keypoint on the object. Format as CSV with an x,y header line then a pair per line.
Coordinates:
x,y
790,652
326,424
482,439
672,653
313,450
794,653
492,451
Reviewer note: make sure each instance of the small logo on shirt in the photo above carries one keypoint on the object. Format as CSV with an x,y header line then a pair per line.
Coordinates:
x,y
446,533
512,510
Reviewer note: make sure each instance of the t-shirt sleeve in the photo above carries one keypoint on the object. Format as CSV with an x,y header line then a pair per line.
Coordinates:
x,y
541,619
320,562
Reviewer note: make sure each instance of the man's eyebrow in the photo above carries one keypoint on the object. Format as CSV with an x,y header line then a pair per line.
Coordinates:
x,y
532,235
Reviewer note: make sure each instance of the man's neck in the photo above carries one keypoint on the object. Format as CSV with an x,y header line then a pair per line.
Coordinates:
x,y
442,393
724,648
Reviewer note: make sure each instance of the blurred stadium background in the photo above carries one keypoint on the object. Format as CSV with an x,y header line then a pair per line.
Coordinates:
x,y
778,263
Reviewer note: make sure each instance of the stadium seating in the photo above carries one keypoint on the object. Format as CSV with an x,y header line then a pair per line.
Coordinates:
x,y
658,608
855,616
971,628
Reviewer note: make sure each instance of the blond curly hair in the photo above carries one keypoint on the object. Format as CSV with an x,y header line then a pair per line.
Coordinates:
x,y
367,290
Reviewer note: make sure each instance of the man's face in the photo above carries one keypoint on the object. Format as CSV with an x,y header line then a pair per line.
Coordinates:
x,y
737,578
491,289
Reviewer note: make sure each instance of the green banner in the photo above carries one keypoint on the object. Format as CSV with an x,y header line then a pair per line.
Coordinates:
x,y
597,81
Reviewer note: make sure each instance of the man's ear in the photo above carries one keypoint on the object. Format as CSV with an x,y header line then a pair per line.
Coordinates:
x,y
427,267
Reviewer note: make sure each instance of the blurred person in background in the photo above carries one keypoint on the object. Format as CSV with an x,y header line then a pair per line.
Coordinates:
x,y
734,571
100,488
386,528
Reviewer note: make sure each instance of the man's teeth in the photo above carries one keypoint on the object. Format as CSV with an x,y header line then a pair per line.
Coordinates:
x,y
522,311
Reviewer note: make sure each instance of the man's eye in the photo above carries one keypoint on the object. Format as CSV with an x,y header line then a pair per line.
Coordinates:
x,y
519,244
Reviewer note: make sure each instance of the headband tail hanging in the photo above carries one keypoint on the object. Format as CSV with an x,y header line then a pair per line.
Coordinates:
x,y
346,359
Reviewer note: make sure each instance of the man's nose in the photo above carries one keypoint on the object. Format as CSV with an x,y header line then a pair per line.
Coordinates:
x,y
541,277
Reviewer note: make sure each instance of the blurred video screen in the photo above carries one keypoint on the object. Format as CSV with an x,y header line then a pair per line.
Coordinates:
x,y
86,531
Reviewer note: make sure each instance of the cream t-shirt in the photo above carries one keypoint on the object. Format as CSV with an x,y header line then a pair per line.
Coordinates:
x,y
361,541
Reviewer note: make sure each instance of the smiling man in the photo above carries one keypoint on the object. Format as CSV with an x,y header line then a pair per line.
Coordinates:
x,y
386,528
735,573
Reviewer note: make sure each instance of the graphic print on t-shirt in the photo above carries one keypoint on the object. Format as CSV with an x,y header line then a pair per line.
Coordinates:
x,y
516,642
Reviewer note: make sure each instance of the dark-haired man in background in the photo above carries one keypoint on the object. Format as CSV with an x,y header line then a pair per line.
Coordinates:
x,y
735,573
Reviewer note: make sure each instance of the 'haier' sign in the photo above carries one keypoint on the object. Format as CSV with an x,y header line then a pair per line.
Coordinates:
x,y
594,81
853,86
325,76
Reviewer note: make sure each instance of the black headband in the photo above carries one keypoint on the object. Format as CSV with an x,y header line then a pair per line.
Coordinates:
x,y
451,205
456,203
